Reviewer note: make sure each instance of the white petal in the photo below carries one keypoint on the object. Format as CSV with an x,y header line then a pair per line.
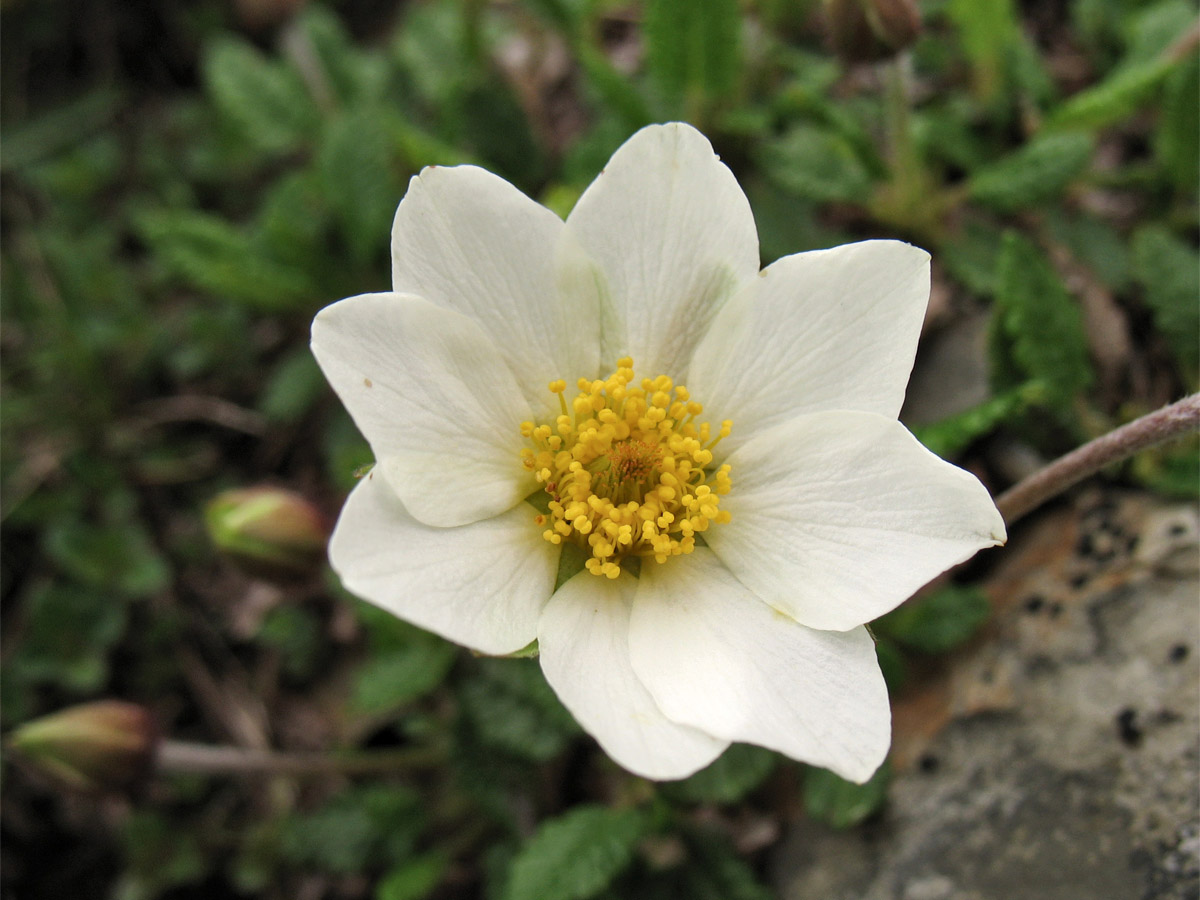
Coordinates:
x,y
671,237
583,638
838,517
431,394
468,240
830,329
716,657
481,585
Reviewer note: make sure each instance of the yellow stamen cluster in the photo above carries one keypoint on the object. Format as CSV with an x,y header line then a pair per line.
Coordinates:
x,y
627,469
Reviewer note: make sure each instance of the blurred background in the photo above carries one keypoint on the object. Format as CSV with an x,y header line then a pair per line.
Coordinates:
x,y
185,184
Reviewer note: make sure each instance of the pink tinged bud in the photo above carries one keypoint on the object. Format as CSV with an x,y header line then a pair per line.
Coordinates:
x,y
106,745
871,30
268,532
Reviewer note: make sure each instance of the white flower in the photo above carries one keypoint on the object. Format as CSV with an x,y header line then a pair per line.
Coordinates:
x,y
818,510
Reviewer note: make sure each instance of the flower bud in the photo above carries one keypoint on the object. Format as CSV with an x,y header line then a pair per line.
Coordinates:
x,y
106,745
268,531
872,30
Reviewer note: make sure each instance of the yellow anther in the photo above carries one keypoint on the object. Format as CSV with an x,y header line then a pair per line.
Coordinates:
x,y
626,469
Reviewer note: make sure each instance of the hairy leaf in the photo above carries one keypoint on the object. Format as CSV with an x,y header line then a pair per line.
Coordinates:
x,y
577,855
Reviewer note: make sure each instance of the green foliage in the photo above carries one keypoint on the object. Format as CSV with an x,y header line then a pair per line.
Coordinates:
x,y
1169,272
1040,322
69,632
989,30
264,101
936,622
405,664
361,828
949,436
355,160
840,803
1177,140
412,879
577,855
694,46
816,164
215,257
511,709
729,778
1037,172
1113,99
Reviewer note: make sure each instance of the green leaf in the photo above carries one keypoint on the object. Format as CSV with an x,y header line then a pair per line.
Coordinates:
x,y
263,100
215,257
512,709
1169,271
840,803
694,46
1037,172
816,164
1177,141
988,30
113,558
1094,242
395,676
971,256
731,776
296,634
1113,99
715,872
358,828
937,622
351,75
1040,321
947,437
358,164
67,634
413,879
577,855
292,388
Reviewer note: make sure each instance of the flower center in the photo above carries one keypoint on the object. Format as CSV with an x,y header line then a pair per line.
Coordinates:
x,y
627,469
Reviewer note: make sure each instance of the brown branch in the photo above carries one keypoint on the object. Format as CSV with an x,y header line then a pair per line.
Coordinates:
x,y
1162,425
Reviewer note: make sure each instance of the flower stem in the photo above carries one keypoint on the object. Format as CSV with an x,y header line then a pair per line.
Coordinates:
x,y
181,756
1154,428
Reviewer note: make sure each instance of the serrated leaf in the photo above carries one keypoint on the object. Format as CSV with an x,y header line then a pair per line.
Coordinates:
x,y
577,855
263,100
215,257
732,775
1113,99
512,709
115,559
971,257
840,803
1037,172
293,386
1040,321
1169,271
988,30
816,164
358,166
715,872
937,622
1094,242
949,436
67,634
352,76
1177,141
358,828
413,879
398,676
293,219
694,46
